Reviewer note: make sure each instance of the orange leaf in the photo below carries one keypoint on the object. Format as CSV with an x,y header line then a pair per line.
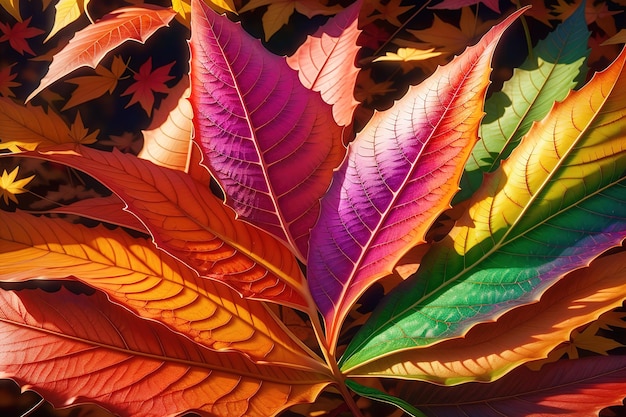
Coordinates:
x,y
325,63
27,127
6,81
134,273
189,222
67,346
167,141
93,86
90,45
490,350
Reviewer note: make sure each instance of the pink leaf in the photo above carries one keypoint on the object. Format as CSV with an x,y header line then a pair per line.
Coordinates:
x,y
271,143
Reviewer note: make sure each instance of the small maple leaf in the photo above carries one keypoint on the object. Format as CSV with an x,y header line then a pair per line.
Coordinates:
x,y
366,89
6,82
9,187
147,82
94,86
388,12
408,57
80,134
457,4
18,34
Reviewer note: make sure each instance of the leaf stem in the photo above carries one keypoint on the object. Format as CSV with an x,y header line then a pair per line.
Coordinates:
x,y
331,361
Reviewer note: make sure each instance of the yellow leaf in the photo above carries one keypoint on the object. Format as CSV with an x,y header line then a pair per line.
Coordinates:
x,y
618,38
67,12
13,7
9,187
279,11
407,57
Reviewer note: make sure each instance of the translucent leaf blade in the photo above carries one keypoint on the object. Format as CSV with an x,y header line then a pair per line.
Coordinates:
x,y
491,350
400,173
135,274
555,205
326,62
581,387
69,346
271,143
190,223
556,66
91,44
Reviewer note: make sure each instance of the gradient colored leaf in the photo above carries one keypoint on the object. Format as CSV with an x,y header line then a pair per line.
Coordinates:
x,y
91,44
581,387
135,274
556,66
271,143
69,346
557,203
28,127
326,62
190,223
490,350
399,175
167,141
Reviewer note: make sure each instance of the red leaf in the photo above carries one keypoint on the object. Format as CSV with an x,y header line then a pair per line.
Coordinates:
x,y
147,82
92,43
17,35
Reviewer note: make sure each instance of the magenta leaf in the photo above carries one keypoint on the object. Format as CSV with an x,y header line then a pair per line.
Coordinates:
x,y
271,143
399,175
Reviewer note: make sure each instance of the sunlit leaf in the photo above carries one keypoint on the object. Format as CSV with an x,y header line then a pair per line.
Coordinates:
x,y
402,170
557,203
134,273
91,87
67,12
271,143
556,66
167,141
326,62
190,223
91,44
67,346
490,350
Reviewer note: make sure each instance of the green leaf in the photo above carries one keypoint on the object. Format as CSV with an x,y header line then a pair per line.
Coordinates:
x,y
374,394
556,66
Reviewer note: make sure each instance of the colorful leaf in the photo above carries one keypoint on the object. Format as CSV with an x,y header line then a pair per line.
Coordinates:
x,y
556,204
491,350
135,274
399,175
556,66
91,44
167,141
271,143
193,225
584,387
147,82
27,127
67,346
326,62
